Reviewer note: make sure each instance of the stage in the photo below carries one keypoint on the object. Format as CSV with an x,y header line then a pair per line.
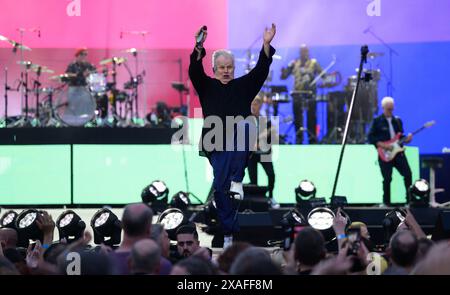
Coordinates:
x,y
111,166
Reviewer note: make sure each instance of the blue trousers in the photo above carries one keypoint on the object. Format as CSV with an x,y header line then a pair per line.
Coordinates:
x,y
227,166
230,166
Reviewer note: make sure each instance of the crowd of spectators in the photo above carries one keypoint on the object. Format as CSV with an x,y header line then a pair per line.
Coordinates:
x,y
145,249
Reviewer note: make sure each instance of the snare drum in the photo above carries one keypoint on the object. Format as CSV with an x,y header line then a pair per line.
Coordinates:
x,y
96,83
75,106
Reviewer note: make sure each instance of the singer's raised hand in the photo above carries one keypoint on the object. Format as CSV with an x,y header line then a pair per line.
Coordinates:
x,y
205,33
269,33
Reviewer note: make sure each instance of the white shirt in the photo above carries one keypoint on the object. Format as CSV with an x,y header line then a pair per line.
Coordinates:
x,y
391,128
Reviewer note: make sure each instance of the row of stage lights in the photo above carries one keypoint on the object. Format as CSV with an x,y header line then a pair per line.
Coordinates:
x,y
107,226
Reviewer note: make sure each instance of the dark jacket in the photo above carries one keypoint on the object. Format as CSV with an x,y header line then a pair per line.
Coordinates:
x,y
232,99
379,131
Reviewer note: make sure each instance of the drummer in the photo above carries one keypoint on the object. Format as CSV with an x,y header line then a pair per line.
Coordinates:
x,y
81,67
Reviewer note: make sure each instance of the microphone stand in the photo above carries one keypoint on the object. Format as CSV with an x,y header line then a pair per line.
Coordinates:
x,y
390,83
364,52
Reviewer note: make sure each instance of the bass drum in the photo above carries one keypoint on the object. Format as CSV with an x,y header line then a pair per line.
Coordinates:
x,y
75,106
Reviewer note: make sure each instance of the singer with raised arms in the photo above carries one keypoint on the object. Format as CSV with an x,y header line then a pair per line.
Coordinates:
x,y
221,97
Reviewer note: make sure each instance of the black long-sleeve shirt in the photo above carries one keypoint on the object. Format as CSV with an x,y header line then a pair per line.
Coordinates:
x,y
79,68
231,99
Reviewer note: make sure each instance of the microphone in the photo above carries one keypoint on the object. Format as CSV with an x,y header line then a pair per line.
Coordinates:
x,y
367,29
201,34
364,52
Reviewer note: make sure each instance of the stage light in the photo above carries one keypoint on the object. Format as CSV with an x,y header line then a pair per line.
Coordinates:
x,y
419,193
180,200
392,220
321,218
305,196
27,228
70,226
106,227
292,222
305,191
9,219
156,195
172,219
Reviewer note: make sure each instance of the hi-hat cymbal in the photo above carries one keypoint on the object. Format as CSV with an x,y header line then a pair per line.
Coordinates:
x,y
134,50
35,67
63,76
14,44
116,60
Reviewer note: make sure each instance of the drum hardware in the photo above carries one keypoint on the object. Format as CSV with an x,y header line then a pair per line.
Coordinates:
x,y
24,121
51,117
275,95
113,61
182,89
4,121
305,96
63,78
134,83
75,106
36,86
96,83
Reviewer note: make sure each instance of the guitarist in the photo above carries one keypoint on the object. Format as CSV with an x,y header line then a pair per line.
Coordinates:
x,y
384,128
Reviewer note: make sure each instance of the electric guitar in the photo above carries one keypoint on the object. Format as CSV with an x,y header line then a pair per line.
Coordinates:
x,y
395,143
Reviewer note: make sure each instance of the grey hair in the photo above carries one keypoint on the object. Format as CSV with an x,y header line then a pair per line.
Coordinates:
x,y
221,52
386,100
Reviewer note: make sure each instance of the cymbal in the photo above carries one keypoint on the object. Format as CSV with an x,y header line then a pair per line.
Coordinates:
x,y
25,63
375,54
63,76
116,60
35,67
44,70
134,50
14,44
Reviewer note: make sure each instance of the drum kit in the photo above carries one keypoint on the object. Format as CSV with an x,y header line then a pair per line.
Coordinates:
x,y
66,105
